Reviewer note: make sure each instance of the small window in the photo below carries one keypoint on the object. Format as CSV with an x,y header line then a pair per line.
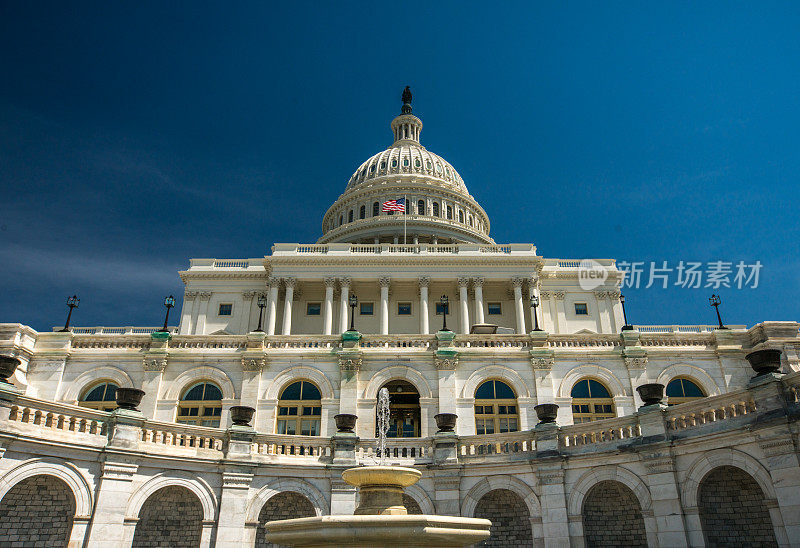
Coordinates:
x,y
383,165
394,163
362,213
442,308
470,220
449,212
428,164
435,209
372,168
460,216
494,309
403,309
682,390
375,209
225,309
313,309
417,163
405,162
366,309
438,167
101,397
421,207
581,309
350,216
341,220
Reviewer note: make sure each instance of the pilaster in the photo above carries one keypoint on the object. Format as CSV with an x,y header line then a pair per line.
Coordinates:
x,y
231,528
113,492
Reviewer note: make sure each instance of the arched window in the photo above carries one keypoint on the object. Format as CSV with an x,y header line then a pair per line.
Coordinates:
x,y
449,212
421,207
470,220
350,216
375,208
404,410
201,405
681,390
435,209
341,220
300,409
101,396
362,213
495,408
460,216
591,401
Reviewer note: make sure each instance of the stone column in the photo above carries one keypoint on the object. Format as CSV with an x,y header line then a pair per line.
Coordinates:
x,y
205,298
186,312
113,493
561,314
603,312
344,323
663,485
272,305
533,284
520,312
555,526
287,305
615,311
446,366
195,312
327,307
247,311
233,507
463,285
477,283
385,281
424,321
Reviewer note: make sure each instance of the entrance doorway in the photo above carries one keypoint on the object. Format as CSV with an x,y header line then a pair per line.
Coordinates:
x,y
404,413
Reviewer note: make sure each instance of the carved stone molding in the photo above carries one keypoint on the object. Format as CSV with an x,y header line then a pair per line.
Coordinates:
x,y
463,281
600,295
516,281
350,364
776,446
478,281
424,281
445,364
254,364
658,463
550,477
559,295
273,282
234,480
205,295
542,363
330,281
154,364
119,470
636,363
544,294
189,295
248,295
385,281
290,282
344,281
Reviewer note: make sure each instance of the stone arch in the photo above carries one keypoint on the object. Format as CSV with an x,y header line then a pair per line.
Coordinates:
x,y
170,516
397,372
300,372
88,378
509,376
282,485
696,374
421,497
194,484
63,470
283,505
611,515
732,509
37,511
492,483
598,372
724,457
206,372
608,473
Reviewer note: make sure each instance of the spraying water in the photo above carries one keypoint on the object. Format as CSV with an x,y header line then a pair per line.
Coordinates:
x,y
383,422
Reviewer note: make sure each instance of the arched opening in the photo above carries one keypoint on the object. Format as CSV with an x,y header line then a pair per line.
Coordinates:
x,y
404,411
732,509
612,516
375,209
362,212
511,523
411,504
100,396
37,511
286,505
421,207
300,409
460,216
350,216
435,209
450,212
682,390
172,516
495,408
591,401
201,405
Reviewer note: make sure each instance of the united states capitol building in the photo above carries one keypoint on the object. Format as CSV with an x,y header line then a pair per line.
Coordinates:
x,y
314,330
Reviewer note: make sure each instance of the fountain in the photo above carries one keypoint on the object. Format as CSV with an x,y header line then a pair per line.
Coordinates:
x,y
380,519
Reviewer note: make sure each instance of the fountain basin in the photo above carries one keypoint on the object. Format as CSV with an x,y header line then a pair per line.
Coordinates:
x,y
378,531
381,488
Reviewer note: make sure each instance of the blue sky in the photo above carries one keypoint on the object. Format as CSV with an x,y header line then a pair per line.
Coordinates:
x,y
133,137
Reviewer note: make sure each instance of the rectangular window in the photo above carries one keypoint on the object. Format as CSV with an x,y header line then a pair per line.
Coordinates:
x,y
581,309
440,309
403,309
494,309
313,309
367,309
225,309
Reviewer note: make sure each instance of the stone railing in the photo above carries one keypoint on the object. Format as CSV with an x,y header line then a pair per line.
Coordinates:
x,y
492,341
521,444
186,436
398,341
710,410
681,328
278,447
386,249
599,432
49,418
127,330
406,450
303,341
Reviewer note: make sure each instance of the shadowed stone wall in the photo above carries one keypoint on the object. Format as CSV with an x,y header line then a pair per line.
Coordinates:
x,y
172,516
511,524
37,511
412,506
286,505
732,510
612,516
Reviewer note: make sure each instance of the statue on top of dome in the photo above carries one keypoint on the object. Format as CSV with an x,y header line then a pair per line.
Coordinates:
x,y
406,101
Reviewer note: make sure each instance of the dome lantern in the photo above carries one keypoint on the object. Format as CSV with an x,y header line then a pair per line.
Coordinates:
x,y
406,127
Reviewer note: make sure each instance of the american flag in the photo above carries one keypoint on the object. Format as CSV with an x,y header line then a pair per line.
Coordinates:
x,y
394,205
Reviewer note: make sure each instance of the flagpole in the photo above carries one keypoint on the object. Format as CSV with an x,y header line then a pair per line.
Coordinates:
x,y
405,219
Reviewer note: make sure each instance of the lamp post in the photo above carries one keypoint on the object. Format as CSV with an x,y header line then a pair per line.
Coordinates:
x,y
535,305
262,302
169,302
625,327
72,302
444,302
353,301
715,301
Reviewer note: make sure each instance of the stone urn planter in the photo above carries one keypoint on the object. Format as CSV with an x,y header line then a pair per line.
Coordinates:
x,y
8,365
651,393
446,422
241,415
129,398
765,361
345,423
546,412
